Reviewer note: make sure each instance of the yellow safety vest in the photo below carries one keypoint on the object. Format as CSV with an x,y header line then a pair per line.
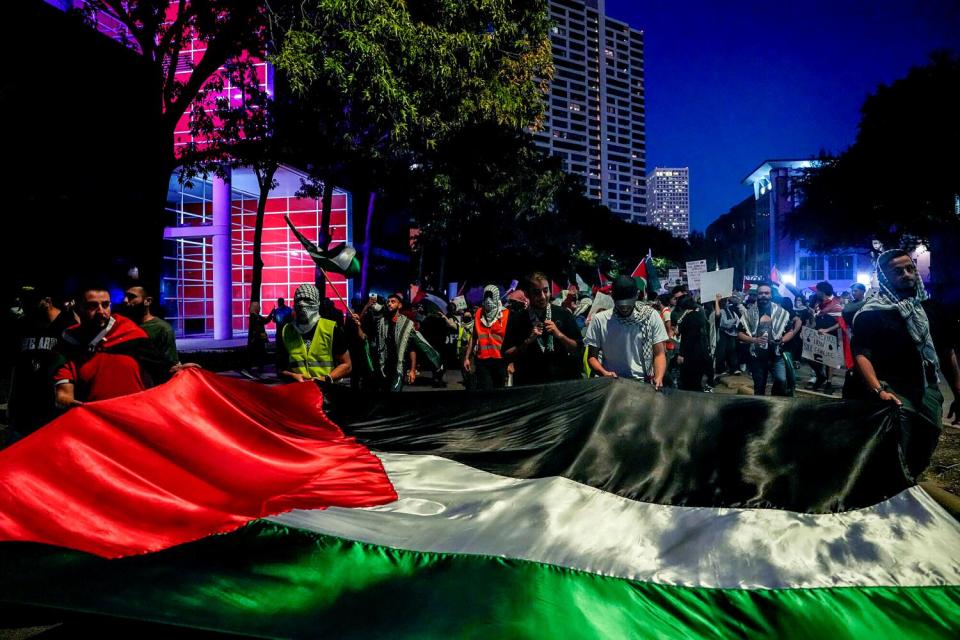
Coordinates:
x,y
318,360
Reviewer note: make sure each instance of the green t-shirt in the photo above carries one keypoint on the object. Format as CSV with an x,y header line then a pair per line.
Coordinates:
x,y
161,335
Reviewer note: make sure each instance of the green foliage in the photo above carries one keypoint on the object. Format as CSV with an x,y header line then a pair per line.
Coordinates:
x,y
420,69
506,207
902,173
161,32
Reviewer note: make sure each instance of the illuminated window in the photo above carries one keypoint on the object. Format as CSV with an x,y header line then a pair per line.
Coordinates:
x,y
810,268
841,267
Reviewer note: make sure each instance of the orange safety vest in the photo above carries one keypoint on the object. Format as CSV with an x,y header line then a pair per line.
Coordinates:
x,y
490,339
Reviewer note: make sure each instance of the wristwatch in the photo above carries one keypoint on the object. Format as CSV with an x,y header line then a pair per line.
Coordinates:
x,y
879,390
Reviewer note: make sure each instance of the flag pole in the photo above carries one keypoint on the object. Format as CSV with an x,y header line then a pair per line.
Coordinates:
x,y
327,279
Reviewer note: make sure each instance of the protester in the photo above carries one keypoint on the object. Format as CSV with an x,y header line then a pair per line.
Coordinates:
x,y
464,336
106,356
628,341
394,344
668,315
360,365
137,306
728,323
484,357
895,357
37,337
791,346
826,321
257,339
316,347
765,328
858,292
694,358
282,314
544,343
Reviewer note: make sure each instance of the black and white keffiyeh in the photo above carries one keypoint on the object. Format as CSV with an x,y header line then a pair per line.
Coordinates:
x,y
545,340
910,308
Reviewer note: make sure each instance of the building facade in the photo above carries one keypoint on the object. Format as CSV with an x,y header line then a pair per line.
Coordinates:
x,y
776,195
209,260
208,263
668,200
595,118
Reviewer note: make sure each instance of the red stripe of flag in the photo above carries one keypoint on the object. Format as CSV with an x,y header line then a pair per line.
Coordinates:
x,y
199,455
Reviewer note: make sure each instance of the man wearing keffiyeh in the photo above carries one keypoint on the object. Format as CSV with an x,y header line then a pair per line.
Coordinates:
x,y
544,343
895,357
316,347
394,343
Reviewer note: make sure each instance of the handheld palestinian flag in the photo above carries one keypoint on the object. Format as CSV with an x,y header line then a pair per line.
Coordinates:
x,y
340,259
646,275
583,509
640,275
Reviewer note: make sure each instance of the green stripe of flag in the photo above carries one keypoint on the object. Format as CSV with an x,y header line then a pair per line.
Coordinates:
x,y
274,581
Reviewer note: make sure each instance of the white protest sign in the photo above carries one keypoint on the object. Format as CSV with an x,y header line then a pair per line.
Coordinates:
x,y
673,277
821,347
694,270
601,302
714,282
460,303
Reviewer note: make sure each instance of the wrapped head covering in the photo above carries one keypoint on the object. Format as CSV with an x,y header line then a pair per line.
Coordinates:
x,y
306,308
491,307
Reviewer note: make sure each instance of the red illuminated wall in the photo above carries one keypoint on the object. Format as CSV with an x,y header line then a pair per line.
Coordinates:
x,y
286,264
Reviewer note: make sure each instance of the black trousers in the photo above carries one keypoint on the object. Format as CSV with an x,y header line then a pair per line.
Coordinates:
x,y
725,357
490,373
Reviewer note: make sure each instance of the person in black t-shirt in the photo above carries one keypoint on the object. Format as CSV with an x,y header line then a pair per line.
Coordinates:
x,y
895,357
544,342
38,336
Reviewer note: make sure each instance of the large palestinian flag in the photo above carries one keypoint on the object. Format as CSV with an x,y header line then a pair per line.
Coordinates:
x,y
587,509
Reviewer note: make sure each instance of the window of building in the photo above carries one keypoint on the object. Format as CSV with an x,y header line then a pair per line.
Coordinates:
x,y
841,267
810,268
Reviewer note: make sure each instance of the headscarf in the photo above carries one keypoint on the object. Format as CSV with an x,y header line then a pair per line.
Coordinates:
x,y
886,298
306,298
491,308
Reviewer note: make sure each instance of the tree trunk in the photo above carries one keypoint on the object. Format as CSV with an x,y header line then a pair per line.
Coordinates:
x,y
367,243
264,179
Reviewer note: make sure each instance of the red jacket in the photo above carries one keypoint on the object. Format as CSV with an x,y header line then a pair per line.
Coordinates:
x,y
112,367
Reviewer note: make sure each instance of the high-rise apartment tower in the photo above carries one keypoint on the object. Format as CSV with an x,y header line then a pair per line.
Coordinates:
x,y
595,113
668,205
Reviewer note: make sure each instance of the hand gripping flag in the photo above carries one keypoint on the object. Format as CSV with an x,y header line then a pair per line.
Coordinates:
x,y
340,259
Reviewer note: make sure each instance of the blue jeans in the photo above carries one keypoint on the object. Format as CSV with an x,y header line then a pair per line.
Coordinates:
x,y
761,367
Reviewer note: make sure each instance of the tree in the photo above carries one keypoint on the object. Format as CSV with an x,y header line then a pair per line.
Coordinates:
x,y
387,79
506,207
163,34
240,131
902,174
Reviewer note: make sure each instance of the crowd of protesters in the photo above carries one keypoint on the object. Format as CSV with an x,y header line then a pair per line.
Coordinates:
x,y
896,343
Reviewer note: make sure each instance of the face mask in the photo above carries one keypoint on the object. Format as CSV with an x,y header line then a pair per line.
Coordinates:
x,y
489,305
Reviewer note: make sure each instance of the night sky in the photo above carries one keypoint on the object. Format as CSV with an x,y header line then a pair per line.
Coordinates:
x,y
731,84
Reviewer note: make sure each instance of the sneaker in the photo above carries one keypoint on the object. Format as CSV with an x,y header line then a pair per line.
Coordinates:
x,y
737,372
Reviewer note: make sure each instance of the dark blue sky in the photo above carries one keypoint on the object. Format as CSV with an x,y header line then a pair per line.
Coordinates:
x,y
731,84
